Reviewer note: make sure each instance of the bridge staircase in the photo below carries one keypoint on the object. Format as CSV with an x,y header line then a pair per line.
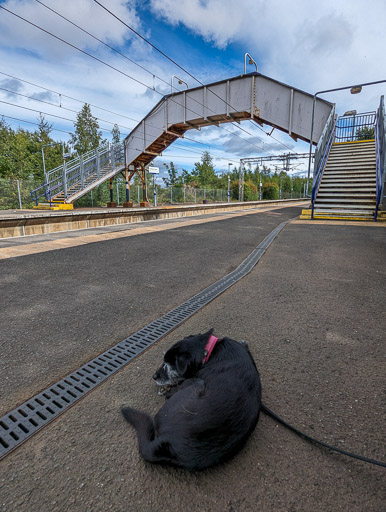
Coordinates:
x,y
70,181
349,169
251,96
348,185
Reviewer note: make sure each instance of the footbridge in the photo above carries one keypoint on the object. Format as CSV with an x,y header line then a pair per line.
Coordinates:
x,y
247,97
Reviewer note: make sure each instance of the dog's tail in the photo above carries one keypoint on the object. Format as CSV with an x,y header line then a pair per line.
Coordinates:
x,y
152,449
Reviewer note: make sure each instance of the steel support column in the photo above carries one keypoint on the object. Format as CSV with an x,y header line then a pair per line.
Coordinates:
x,y
144,202
127,203
111,204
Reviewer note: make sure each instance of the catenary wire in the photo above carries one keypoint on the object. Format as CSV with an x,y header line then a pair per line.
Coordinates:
x,y
123,73
185,71
30,122
181,147
132,61
74,111
138,81
60,94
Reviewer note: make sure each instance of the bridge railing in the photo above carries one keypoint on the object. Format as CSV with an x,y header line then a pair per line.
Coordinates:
x,y
321,154
380,147
356,127
76,172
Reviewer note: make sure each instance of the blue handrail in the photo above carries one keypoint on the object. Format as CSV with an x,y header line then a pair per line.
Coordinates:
x,y
63,177
322,163
380,142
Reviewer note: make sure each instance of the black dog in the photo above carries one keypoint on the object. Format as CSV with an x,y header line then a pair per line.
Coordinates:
x,y
212,409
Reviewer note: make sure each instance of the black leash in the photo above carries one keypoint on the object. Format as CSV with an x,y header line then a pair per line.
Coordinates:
x,y
267,411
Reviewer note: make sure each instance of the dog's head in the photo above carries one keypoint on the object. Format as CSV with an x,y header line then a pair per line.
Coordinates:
x,y
182,360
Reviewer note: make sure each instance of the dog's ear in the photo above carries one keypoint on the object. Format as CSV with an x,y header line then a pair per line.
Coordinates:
x,y
207,334
182,363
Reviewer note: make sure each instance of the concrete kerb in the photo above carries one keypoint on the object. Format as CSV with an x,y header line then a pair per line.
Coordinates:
x,y
18,223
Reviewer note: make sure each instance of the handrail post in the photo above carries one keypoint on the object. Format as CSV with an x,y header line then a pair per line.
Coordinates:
x,y
312,134
65,179
81,166
112,148
98,163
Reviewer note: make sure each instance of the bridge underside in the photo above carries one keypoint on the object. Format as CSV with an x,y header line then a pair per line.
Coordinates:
x,y
252,96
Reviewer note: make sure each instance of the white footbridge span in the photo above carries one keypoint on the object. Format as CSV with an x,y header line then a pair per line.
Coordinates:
x,y
250,96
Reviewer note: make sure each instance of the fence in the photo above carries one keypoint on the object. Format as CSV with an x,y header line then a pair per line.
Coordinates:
x,y
355,127
164,196
15,194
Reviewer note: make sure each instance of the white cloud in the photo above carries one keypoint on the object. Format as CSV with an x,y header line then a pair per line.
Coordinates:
x,y
311,45
103,26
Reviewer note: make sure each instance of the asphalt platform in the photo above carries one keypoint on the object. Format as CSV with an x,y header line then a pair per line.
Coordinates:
x,y
312,312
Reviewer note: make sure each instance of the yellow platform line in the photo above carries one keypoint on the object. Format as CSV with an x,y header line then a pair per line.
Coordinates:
x,y
353,142
318,222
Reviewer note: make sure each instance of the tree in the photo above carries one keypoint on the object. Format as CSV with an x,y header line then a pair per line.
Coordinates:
x,y
270,190
116,134
172,179
204,171
86,136
21,151
365,133
44,130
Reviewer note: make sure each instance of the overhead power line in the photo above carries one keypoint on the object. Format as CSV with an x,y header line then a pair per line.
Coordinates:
x,y
180,146
60,106
45,113
71,110
148,42
103,42
183,69
30,122
114,68
147,86
60,94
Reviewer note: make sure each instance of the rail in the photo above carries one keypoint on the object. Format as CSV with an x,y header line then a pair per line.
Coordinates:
x,y
320,148
321,155
380,148
355,127
77,172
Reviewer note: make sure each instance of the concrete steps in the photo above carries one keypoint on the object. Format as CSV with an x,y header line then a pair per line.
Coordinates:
x,y
74,189
348,185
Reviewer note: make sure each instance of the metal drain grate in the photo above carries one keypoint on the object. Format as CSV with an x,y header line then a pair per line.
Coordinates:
x,y
24,421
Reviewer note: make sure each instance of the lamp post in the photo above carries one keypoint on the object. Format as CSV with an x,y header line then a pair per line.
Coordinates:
x,y
180,81
229,181
251,61
354,89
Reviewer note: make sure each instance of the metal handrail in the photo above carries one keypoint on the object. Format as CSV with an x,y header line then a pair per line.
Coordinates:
x,y
326,142
345,129
319,151
62,178
349,127
380,147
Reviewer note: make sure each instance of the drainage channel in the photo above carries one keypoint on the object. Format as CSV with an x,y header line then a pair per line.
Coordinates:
x,y
27,419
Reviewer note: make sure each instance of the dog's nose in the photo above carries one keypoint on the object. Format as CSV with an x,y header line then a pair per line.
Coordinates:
x,y
155,376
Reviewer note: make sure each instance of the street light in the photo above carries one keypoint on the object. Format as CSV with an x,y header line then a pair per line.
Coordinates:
x,y
251,61
354,89
180,81
229,181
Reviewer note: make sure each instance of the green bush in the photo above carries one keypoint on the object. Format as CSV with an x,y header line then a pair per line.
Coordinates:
x,y
365,133
270,190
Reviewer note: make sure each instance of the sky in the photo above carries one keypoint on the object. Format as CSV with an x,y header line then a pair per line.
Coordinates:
x,y
310,45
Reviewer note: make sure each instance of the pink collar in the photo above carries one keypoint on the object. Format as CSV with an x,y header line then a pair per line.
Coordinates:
x,y
209,348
